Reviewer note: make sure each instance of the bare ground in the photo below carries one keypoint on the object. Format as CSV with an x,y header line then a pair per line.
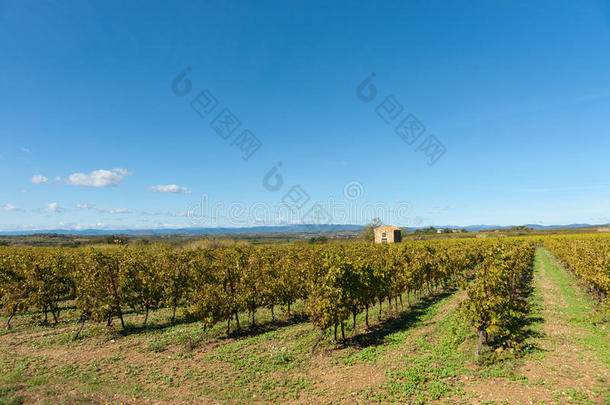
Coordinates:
x,y
408,357
564,369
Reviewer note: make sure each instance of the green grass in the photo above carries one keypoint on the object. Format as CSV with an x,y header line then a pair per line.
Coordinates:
x,y
588,329
431,372
393,333
422,354
8,396
580,312
267,361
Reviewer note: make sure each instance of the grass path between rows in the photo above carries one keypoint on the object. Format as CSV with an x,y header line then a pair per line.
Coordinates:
x,y
570,359
422,354
418,362
269,363
566,360
576,341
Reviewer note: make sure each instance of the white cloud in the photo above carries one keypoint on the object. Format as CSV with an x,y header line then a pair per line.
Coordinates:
x,y
84,206
122,172
114,211
12,208
79,227
53,207
164,213
25,150
170,188
152,213
162,225
39,179
98,178
64,225
120,211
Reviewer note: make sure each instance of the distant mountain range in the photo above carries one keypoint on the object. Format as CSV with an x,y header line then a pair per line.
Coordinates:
x,y
301,228
477,228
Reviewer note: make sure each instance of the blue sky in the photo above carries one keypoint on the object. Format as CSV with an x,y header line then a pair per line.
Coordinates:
x,y
93,136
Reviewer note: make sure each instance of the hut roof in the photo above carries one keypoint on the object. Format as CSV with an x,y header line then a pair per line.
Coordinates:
x,y
388,228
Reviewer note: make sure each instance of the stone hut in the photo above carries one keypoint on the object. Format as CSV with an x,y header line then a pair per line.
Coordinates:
x,y
387,234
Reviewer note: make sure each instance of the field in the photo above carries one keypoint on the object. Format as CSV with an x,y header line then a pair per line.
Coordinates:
x,y
544,327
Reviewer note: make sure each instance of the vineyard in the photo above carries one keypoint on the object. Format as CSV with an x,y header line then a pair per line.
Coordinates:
x,y
335,295
215,285
589,259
